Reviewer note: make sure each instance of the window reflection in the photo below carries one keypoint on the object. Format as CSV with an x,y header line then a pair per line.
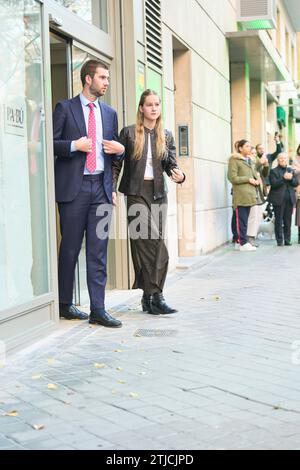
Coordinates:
x,y
92,11
23,209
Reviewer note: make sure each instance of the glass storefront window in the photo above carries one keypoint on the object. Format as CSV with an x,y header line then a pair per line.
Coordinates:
x,y
92,11
24,253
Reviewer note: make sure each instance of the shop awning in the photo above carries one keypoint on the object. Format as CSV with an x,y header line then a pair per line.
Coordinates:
x,y
281,117
256,48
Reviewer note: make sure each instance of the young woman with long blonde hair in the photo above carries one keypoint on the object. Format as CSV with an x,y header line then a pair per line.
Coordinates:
x,y
149,152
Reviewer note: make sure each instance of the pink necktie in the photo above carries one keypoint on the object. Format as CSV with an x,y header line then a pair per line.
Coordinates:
x,y
91,156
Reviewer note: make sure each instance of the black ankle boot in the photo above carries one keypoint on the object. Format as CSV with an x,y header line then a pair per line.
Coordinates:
x,y
159,305
146,304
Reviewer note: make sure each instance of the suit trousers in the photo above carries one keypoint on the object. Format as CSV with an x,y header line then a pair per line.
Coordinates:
x,y
88,214
283,221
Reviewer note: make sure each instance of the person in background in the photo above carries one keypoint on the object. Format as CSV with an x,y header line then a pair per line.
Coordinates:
x,y
296,167
260,150
256,212
282,195
235,235
272,158
245,181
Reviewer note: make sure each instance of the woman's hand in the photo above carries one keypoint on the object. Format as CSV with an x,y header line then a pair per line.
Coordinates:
x,y
112,147
114,199
177,175
254,182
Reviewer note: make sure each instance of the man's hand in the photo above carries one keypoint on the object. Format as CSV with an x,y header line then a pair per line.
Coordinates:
x,y
288,176
177,176
84,145
277,138
112,147
114,199
264,161
254,182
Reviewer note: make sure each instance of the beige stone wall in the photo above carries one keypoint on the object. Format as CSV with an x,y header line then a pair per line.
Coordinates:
x,y
205,79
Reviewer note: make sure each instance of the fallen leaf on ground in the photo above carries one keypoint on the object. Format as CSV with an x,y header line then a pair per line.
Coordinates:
x,y
217,297
67,403
51,361
118,350
12,414
36,377
119,369
52,387
133,395
123,382
99,366
38,427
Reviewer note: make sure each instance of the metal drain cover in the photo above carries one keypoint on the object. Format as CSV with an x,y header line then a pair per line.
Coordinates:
x,y
155,333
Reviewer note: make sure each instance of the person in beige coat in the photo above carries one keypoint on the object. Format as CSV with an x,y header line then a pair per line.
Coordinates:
x,y
246,190
296,166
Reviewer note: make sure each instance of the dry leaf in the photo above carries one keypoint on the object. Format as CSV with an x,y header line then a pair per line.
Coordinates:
x,y
123,382
12,414
38,427
118,350
119,369
217,297
114,392
51,361
36,377
99,366
67,403
52,387
133,395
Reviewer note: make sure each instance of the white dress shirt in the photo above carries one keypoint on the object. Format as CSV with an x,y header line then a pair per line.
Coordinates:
x,y
99,133
149,165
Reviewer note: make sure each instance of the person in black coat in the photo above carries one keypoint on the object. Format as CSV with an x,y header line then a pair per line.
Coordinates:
x,y
282,195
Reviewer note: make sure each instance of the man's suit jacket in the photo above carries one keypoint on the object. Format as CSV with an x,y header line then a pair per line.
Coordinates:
x,y
279,186
69,125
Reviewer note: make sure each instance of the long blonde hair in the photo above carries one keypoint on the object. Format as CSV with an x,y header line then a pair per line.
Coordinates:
x,y
140,131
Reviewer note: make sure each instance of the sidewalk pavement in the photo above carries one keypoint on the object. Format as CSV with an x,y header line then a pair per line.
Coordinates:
x,y
220,374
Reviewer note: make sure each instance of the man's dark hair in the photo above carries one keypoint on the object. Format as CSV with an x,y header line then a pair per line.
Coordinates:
x,y
90,68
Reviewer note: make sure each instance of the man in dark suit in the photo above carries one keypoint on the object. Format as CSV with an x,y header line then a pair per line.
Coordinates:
x,y
85,143
282,196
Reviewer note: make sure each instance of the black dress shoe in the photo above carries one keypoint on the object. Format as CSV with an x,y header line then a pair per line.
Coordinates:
x,y
146,304
288,243
70,312
101,317
159,305
279,243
